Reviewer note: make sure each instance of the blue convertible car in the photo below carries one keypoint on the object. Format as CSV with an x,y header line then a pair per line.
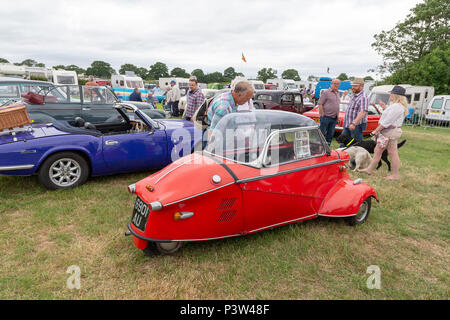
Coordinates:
x,y
65,153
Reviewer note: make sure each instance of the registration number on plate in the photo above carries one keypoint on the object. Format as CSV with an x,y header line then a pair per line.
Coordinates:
x,y
435,111
141,212
317,120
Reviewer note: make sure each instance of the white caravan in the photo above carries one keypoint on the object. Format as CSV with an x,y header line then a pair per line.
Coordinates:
x,y
61,77
181,83
12,71
283,84
257,84
418,96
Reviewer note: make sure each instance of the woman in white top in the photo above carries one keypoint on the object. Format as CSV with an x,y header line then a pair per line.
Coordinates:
x,y
389,126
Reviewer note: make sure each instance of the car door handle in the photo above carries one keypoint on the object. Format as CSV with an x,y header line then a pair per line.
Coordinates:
x,y
111,142
86,109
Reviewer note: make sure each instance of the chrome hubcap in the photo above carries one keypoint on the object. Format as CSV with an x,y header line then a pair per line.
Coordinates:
x,y
169,246
65,172
362,212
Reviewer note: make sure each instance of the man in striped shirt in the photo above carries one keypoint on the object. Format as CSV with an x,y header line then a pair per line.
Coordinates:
x,y
228,102
194,98
355,121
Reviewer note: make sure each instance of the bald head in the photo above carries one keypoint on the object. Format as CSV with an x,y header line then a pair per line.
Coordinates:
x,y
242,92
335,84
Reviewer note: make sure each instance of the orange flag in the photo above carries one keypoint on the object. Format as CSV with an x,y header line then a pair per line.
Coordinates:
x,y
243,58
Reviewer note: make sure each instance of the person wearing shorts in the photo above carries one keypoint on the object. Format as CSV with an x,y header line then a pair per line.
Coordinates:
x,y
389,131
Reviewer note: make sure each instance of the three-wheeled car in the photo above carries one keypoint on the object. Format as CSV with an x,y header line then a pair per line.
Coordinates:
x,y
64,154
260,170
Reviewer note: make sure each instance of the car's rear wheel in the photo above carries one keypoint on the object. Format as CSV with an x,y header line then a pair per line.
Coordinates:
x,y
164,248
63,170
363,213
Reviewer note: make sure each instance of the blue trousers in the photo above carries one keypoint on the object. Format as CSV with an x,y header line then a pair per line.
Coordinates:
x,y
327,125
356,134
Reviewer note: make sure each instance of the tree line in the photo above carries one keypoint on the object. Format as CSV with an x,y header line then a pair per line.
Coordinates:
x,y
158,70
417,50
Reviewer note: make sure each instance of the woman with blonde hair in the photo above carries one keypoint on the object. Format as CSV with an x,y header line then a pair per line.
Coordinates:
x,y
389,131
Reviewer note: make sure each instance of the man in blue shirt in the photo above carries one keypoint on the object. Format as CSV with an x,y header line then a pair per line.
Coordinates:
x,y
135,95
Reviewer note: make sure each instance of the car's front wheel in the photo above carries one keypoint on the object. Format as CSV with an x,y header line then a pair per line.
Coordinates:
x,y
164,248
363,213
63,170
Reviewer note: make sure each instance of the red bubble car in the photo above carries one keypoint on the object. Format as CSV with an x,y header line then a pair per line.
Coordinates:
x,y
260,170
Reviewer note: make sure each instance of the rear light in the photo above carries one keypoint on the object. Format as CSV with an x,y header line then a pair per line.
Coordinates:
x,y
132,188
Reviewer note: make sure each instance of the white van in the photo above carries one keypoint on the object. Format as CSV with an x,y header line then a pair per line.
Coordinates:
x,y
418,96
181,83
438,111
283,84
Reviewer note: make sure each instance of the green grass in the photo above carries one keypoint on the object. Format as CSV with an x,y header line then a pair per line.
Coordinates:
x,y
407,235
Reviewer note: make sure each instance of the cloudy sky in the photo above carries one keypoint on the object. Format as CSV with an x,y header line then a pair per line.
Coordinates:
x,y
308,36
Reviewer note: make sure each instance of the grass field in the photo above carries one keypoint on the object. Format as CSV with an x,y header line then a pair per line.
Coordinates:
x,y
407,235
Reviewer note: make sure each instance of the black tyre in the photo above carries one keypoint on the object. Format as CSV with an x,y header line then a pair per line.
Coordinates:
x,y
162,248
363,213
63,170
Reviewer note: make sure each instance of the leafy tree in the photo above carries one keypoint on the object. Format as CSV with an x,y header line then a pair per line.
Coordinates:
x,y
75,68
40,65
229,73
432,70
100,69
158,70
29,63
60,66
214,77
424,29
342,77
199,74
266,73
351,78
179,72
3,60
140,72
368,78
291,74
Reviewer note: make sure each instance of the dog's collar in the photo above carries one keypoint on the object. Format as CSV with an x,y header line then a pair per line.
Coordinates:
x,y
348,144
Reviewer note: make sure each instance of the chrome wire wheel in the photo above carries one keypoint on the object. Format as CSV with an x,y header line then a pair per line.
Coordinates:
x,y
64,172
362,212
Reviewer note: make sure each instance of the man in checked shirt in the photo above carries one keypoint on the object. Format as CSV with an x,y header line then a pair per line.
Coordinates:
x,y
229,101
355,121
194,98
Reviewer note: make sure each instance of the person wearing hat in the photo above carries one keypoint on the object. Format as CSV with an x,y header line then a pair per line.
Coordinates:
x,y
355,121
173,99
389,131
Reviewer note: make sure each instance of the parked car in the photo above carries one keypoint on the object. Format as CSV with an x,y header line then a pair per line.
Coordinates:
x,y
372,119
95,104
438,110
270,86
280,100
64,154
260,170
13,88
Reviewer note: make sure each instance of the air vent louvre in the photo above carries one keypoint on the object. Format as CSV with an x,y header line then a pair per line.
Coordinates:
x,y
227,215
227,203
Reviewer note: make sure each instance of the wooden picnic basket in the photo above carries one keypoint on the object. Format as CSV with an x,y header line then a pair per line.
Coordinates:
x,y
13,115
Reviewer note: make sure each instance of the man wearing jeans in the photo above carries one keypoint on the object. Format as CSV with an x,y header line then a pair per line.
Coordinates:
x,y
329,110
355,121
